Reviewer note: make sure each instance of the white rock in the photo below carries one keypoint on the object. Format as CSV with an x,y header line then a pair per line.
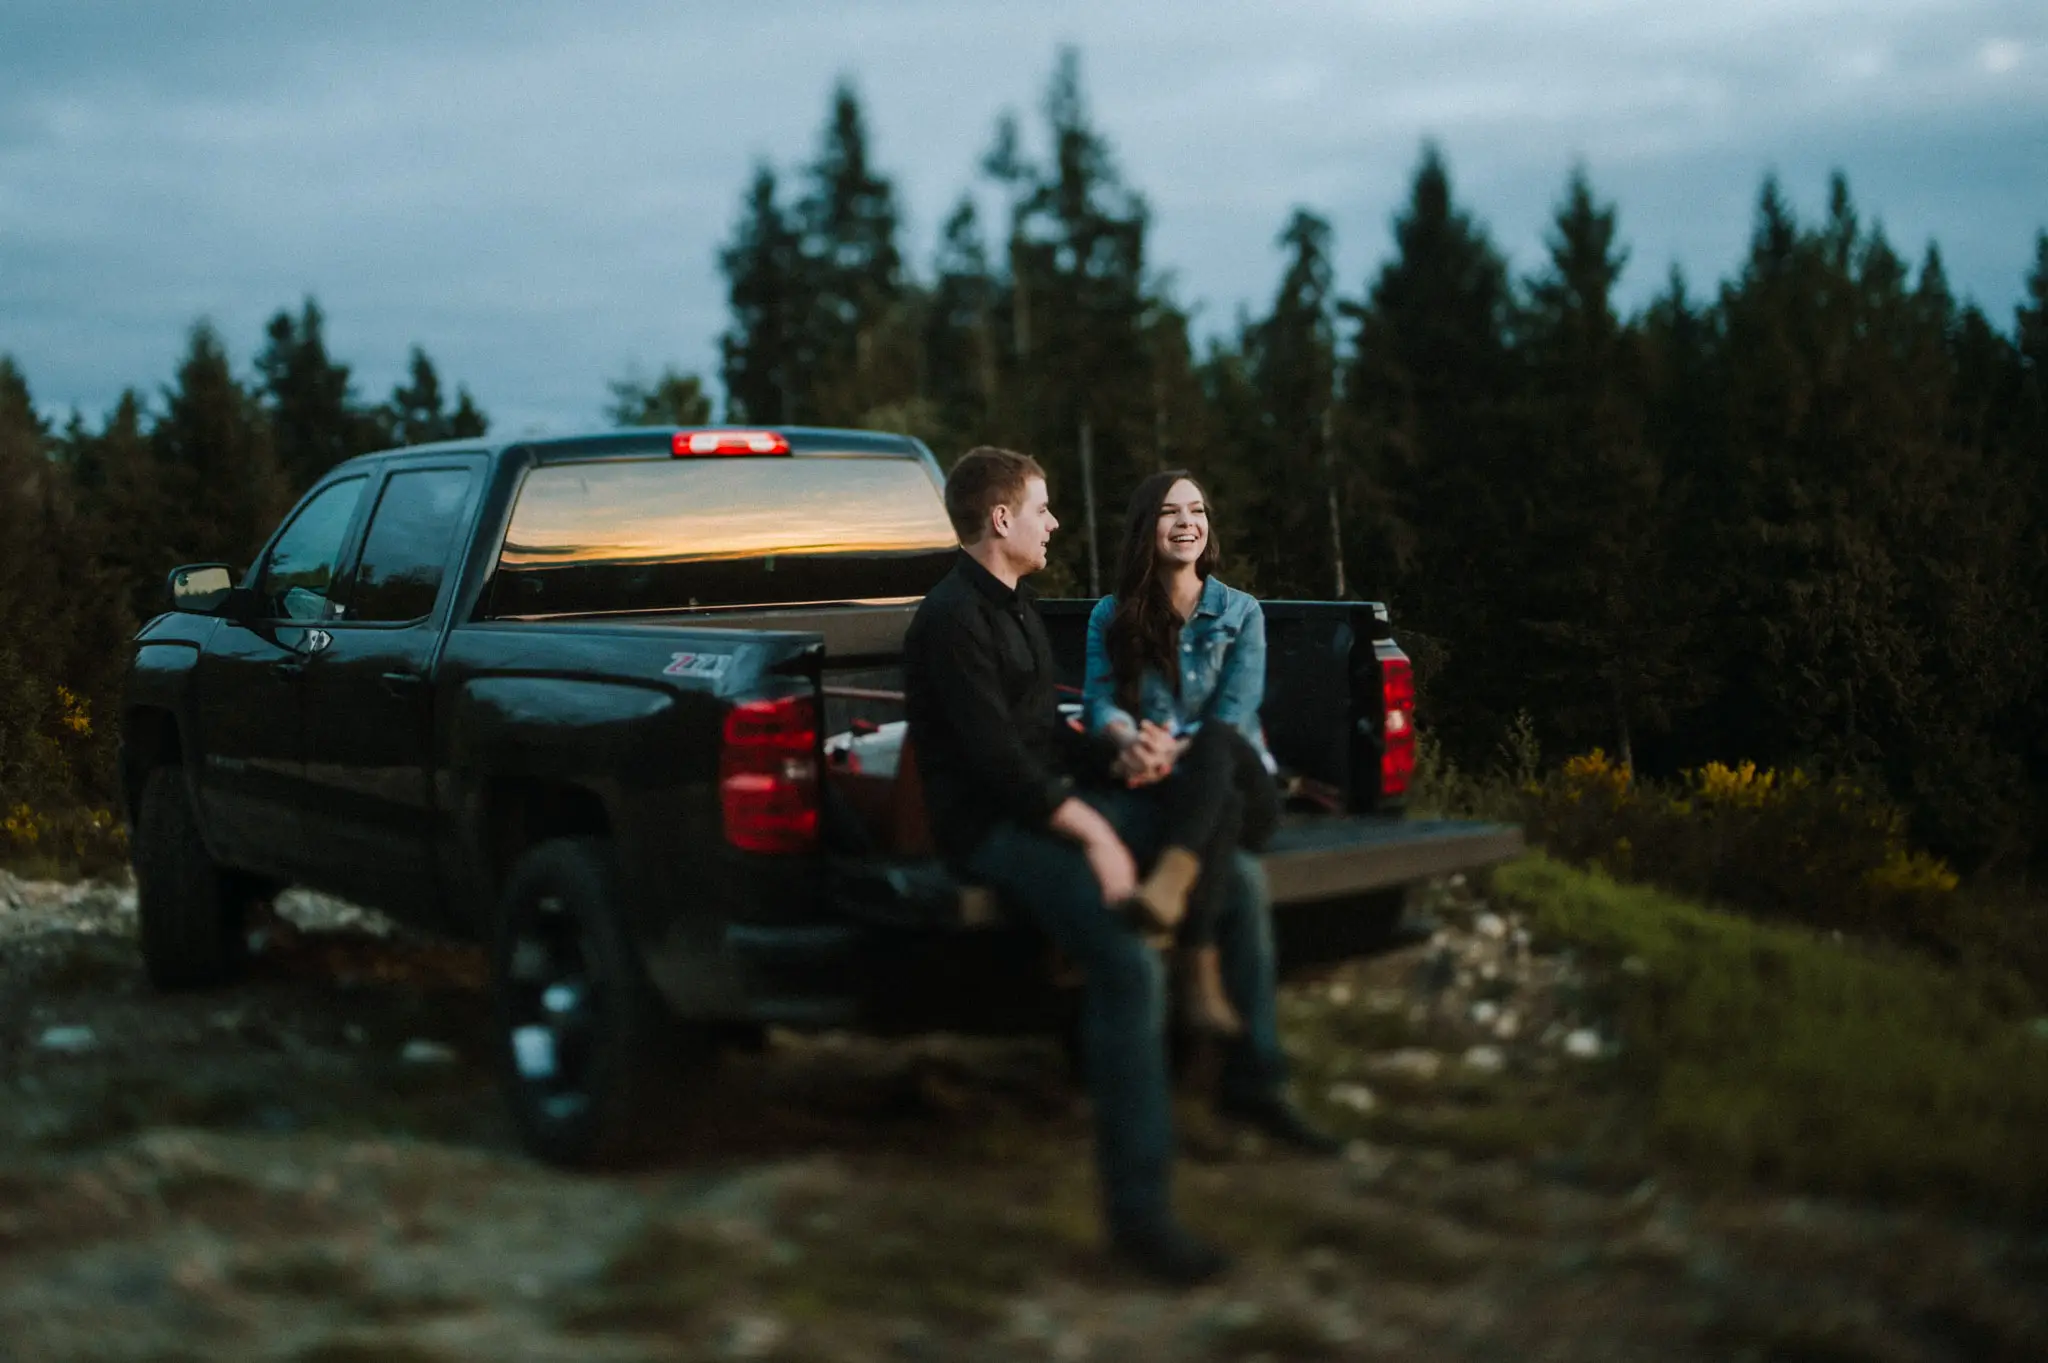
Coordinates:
x,y
1411,1062
68,1040
1490,925
1583,1044
1385,1000
1340,994
420,1051
1634,965
1485,1011
1357,1097
1368,1162
1485,1059
1236,1315
1508,1025
753,1337
1457,880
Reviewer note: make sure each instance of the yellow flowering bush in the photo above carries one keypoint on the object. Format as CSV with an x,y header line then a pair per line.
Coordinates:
x,y
1909,873
1780,842
74,842
74,713
1593,776
1741,787
22,827
55,785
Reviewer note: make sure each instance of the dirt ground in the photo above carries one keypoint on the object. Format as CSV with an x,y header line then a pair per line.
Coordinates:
x,y
314,1167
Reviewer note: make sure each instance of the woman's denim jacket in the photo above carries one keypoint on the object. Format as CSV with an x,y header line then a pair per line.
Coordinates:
x,y
1223,668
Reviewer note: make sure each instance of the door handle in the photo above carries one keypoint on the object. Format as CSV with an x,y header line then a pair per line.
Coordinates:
x,y
403,683
287,669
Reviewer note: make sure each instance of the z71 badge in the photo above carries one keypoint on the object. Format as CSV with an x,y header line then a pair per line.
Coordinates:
x,y
697,664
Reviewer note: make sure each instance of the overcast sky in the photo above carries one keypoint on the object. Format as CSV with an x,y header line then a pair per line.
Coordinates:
x,y
536,192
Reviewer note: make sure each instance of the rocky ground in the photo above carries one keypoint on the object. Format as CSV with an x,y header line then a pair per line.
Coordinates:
x,y
314,1167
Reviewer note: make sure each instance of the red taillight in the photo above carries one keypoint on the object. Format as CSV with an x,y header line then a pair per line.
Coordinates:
x,y
768,775
689,443
1397,725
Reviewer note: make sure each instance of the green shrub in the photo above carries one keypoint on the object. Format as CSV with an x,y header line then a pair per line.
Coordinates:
x,y
1827,853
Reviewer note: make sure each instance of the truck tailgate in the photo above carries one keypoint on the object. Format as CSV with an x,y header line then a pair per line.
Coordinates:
x,y
1326,858
1319,862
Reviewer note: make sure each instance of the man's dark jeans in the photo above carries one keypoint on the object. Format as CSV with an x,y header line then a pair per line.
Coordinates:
x,y
1124,1017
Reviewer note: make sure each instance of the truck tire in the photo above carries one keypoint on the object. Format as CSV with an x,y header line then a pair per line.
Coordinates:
x,y
193,911
581,1034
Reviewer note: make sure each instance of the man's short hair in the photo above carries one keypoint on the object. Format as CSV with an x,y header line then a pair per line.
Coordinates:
x,y
984,479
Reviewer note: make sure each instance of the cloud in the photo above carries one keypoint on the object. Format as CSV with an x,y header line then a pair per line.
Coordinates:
x,y
2001,55
536,192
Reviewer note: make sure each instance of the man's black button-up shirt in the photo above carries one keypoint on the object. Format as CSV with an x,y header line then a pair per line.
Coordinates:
x,y
978,691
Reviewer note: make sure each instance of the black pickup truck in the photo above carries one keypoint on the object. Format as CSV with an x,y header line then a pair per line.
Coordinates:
x,y
626,708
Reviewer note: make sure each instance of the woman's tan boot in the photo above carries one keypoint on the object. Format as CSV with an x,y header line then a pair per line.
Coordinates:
x,y
1208,1003
1162,897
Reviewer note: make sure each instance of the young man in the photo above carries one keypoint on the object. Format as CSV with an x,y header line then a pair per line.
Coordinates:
x,y
978,677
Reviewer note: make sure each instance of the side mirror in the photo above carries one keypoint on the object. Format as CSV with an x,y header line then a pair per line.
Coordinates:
x,y
201,588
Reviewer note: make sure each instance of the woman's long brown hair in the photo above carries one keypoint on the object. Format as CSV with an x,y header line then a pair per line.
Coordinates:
x,y
1145,630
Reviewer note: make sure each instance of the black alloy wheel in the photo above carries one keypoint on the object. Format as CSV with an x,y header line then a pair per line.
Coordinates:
x,y
577,1022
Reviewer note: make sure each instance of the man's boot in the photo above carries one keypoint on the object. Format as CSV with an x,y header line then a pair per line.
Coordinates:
x,y
1161,1249
1281,1121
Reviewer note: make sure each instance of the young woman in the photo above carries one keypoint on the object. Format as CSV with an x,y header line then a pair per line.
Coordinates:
x,y
1176,672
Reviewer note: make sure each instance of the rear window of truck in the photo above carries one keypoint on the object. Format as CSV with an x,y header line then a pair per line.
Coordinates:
x,y
720,533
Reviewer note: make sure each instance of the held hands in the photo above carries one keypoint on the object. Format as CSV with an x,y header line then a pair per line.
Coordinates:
x,y
1148,756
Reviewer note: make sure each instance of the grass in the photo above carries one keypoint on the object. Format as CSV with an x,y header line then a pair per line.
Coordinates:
x,y
1776,1053
954,1256
661,1280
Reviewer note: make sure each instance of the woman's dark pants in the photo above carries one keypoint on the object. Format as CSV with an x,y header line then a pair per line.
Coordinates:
x,y
1220,797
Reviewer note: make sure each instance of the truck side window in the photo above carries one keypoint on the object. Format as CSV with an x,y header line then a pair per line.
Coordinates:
x,y
298,574
412,536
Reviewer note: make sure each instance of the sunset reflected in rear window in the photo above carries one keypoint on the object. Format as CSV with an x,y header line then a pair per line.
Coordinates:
x,y
687,534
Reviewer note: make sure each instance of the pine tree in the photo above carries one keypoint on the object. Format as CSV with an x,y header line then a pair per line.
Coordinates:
x,y
29,611
2030,337
221,487
1425,400
1081,391
674,399
858,350
123,500
315,421
1292,357
960,345
417,411
1610,621
762,268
